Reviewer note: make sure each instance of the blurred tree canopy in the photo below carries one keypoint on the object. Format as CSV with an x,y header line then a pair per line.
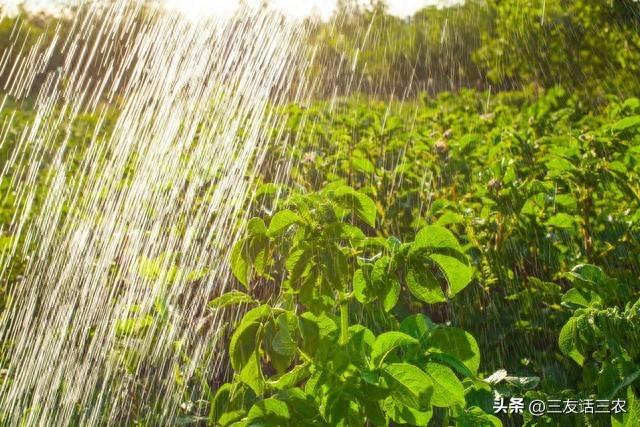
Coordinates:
x,y
380,53
589,46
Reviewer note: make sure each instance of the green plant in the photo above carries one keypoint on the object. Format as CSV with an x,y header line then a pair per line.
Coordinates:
x,y
531,183
586,45
337,347
603,337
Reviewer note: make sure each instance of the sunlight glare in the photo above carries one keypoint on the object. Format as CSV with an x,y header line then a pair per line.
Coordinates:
x,y
197,9
297,9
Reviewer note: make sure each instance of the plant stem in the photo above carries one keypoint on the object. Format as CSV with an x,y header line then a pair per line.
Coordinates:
x,y
344,321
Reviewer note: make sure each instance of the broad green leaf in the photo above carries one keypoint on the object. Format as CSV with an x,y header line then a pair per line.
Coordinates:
x,y
448,218
335,267
392,295
402,414
372,242
568,201
283,341
268,189
279,342
457,343
393,243
561,220
360,290
258,253
247,254
424,285
453,363
362,164
418,326
588,273
230,404
447,388
375,414
367,209
240,266
509,175
314,384
299,263
557,166
269,411
244,351
409,385
568,339
381,270
341,230
386,342
359,346
315,329
290,378
283,344
632,103
361,204
256,226
341,410
302,407
534,205
281,221
457,273
575,298
626,124
616,166
220,404
231,298
435,237
231,418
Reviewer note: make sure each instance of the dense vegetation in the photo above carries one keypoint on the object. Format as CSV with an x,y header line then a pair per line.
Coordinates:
x,y
513,218
424,258
588,46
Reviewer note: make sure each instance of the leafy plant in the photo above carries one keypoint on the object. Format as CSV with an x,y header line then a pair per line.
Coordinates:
x,y
603,337
310,357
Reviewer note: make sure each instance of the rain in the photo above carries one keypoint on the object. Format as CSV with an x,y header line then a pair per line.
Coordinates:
x,y
349,213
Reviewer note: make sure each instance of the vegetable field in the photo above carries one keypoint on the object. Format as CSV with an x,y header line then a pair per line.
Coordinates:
x,y
361,220
425,247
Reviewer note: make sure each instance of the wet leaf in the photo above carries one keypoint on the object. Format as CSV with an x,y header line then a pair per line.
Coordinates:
x,y
387,342
409,385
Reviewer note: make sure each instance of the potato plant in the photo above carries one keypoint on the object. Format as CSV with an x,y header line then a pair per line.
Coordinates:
x,y
310,357
512,216
603,337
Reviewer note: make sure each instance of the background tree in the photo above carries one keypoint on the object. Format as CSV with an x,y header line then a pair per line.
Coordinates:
x,y
584,44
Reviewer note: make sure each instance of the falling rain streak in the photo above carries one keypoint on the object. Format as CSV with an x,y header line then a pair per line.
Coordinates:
x,y
158,190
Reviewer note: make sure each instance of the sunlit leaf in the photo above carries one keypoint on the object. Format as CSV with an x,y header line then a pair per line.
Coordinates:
x,y
457,343
387,342
231,298
409,385
447,388
281,221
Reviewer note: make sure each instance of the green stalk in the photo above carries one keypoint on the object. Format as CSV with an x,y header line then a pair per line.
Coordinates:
x,y
344,321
